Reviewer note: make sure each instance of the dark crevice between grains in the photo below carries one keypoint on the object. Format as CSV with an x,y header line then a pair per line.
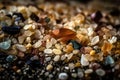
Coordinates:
x,y
34,17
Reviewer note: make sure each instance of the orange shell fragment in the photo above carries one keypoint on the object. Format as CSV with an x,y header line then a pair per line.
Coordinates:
x,y
63,34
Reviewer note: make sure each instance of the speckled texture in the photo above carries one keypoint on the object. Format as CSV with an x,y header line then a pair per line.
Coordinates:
x,y
59,40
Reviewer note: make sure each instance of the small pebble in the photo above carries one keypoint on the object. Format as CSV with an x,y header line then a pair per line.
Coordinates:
x,y
21,47
48,58
84,60
81,37
11,29
94,66
71,65
20,15
34,17
69,48
51,76
53,41
26,27
58,46
92,52
47,19
77,64
14,40
18,71
37,44
74,75
69,56
75,44
90,31
96,16
46,73
80,74
100,72
95,40
28,46
49,67
88,71
33,9
10,58
66,67
28,33
106,47
109,60
48,51
63,76
87,50
63,57
34,58
37,34
5,45
48,45
112,40
56,58
75,51
21,39
57,51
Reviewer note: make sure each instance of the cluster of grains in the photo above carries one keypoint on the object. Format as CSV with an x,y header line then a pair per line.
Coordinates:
x,y
59,41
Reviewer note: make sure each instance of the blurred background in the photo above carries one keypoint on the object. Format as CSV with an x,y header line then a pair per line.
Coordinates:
x,y
93,4
116,2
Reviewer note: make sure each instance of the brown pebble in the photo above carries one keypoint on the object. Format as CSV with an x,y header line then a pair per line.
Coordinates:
x,y
69,48
77,64
49,67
